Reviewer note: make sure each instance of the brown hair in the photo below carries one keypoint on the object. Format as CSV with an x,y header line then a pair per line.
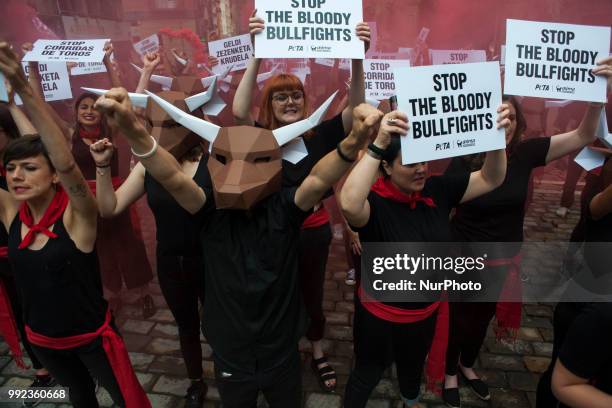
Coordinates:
x,y
105,131
281,82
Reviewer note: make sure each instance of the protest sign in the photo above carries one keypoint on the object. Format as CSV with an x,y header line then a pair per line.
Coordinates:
x,y
452,110
149,44
379,77
309,29
67,50
54,81
236,51
439,57
502,54
3,91
549,60
85,68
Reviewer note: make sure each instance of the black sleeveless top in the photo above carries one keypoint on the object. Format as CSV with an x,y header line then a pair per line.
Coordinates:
x,y
83,159
177,229
60,286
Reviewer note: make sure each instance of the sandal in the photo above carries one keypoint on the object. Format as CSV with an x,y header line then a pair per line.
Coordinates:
x,y
325,373
148,306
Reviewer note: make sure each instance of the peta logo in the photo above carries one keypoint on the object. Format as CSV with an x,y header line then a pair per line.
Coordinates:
x,y
296,48
443,146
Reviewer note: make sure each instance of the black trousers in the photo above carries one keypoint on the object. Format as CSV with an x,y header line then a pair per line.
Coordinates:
x,y
182,284
313,253
11,292
75,368
281,386
378,343
468,327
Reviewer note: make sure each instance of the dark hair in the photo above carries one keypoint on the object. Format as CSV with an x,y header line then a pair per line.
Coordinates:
x,y
77,126
521,123
24,147
7,123
391,153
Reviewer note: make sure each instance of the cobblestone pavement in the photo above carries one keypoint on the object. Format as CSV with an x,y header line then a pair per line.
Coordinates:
x,y
512,372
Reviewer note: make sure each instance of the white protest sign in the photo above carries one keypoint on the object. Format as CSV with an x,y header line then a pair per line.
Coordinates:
x,y
54,81
236,51
309,29
379,78
439,57
85,68
550,60
67,51
3,91
589,159
502,54
452,110
149,44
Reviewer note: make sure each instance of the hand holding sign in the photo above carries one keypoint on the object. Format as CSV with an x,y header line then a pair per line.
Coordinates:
x,y
256,26
395,122
364,33
604,68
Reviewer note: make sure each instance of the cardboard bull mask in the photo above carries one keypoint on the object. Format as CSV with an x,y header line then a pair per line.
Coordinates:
x,y
245,161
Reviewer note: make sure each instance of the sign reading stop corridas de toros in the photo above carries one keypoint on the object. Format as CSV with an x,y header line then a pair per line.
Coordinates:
x,y
379,77
67,51
309,29
452,110
549,60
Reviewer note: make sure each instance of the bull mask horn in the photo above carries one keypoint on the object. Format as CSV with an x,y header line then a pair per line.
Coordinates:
x,y
164,81
202,128
287,133
139,100
196,101
206,82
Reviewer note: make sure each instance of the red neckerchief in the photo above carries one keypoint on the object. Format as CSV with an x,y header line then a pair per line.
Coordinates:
x,y
52,213
131,390
385,188
91,135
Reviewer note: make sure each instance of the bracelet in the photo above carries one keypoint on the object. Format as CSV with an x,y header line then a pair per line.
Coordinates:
x,y
149,153
343,156
375,149
373,154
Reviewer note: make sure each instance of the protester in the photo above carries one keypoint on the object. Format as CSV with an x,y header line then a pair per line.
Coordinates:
x,y
177,252
403,206
252,309
13,124
120,247
480,221
51,216
283,101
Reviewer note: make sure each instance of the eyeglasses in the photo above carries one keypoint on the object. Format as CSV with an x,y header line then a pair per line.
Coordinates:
x,y
296,96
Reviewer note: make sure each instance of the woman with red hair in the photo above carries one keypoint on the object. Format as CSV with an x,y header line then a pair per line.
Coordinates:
x,y
283,101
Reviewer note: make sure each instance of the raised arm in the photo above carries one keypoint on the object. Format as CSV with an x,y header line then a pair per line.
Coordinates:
x,y
354,193
585,134
357,86
150,61
24,126
241,106
333,166
110,202
493,171
161,164
83,204
113,75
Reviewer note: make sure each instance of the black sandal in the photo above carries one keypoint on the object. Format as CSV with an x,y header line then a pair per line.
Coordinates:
x,y
325,373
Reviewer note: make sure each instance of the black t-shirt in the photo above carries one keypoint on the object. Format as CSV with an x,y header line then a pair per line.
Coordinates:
x,y
392,221
322,140
176,229
253,315
498,215
587,350
598,235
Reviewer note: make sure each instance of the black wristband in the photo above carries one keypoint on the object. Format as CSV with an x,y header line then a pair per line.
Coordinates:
x,y
376,149
343,156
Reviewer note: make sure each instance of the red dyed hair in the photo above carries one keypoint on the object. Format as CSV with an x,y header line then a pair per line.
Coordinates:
x,y
281,82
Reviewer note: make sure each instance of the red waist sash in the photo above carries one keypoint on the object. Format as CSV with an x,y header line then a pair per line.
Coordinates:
x,y
508,314
133,394
436,359
316,219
